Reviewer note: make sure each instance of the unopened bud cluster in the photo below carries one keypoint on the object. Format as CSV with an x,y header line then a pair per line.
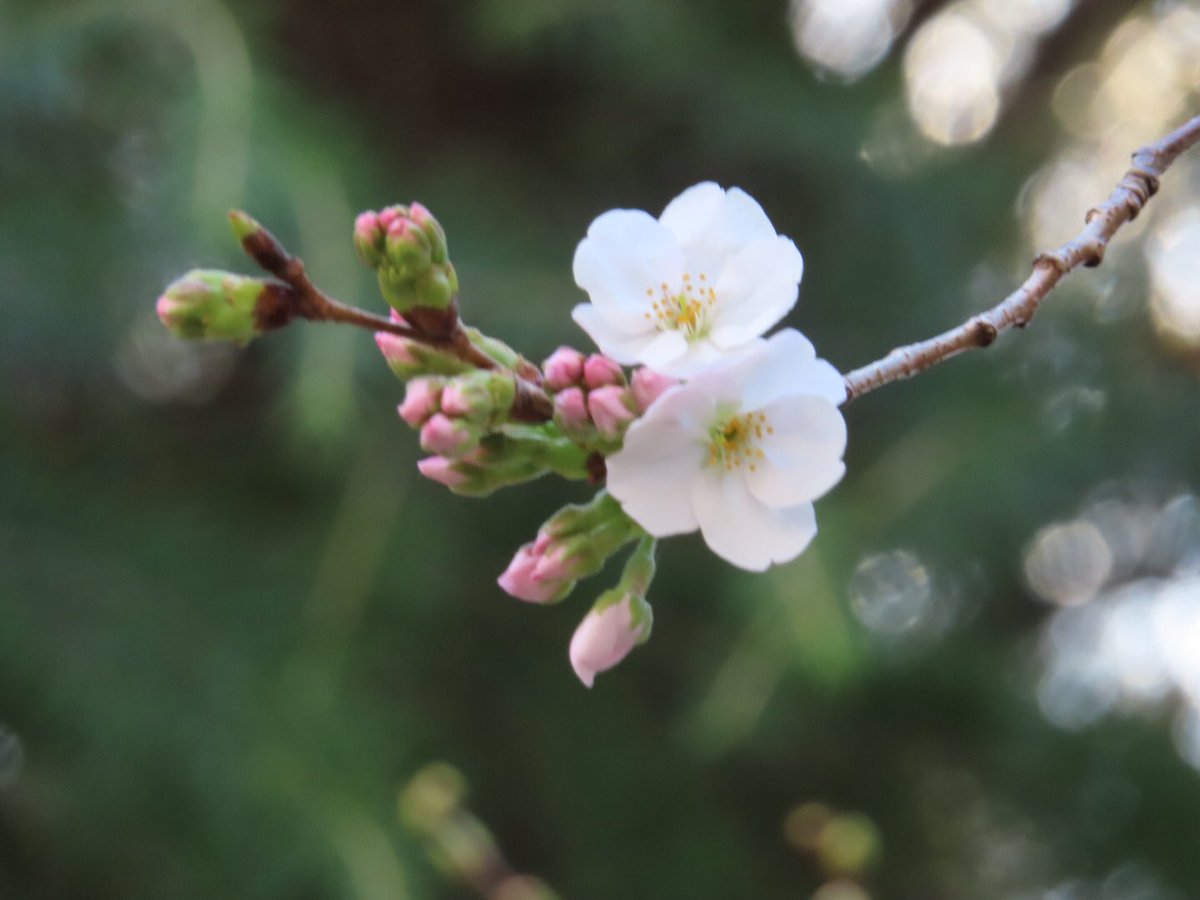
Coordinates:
x,y
406,247
487,417
573,543
453,414
209,304
593,400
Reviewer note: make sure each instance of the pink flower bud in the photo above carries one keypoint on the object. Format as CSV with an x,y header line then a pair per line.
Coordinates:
x,y
600,370
168,308
520,581
563,369
394,349
455,402
571,408
390,214
648,385
448,437
553,564
397,318
366,226
405,233
609,409
420,401
605,638
368,239
441,470
541,542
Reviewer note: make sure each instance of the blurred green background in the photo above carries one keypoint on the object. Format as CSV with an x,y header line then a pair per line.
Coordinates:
x,y
235,624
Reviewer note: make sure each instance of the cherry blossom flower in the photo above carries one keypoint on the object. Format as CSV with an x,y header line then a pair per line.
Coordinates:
x,y
740,451
677,293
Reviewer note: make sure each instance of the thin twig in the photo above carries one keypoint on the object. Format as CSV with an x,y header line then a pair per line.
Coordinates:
x,y
1133,192
297,296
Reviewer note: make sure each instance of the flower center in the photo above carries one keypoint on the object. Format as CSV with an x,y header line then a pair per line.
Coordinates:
x,y
733,442
688,310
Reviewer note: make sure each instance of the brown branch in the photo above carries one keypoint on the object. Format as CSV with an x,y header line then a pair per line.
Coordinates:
x,y
298,297
1133,192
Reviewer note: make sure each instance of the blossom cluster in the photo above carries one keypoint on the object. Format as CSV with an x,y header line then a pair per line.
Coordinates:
x,y
741,448
738,434
716,429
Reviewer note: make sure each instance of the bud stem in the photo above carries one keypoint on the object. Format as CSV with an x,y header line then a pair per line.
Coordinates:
x,y
299,297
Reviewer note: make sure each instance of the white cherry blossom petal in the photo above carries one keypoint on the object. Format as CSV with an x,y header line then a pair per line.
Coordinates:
x,y
626,252
806,421
823,380
743,218
743,531
802,457
757,287
696,358
652,479
694,211
712,223
663,350
623,346
788,355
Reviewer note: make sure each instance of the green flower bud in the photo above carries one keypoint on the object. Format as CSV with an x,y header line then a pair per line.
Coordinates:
x,y
438,287
406,246
553,450
496,349
408,249
369,239
582,518
214,305
483,397
432,229
497,462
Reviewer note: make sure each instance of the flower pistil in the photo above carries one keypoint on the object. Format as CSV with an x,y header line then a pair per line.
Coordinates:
x,y
688,310
732,442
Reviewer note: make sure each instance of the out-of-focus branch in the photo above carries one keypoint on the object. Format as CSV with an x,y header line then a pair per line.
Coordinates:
x,y
431,805
298,297
1133,192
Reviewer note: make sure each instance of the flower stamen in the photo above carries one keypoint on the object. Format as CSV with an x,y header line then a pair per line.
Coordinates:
x,y
732,442
688,310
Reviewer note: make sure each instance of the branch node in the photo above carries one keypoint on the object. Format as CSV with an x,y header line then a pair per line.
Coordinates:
x,y
276,306
985,333
1056,260
597,469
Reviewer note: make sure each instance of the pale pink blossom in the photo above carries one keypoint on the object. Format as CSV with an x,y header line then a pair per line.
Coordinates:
x,y
677,293
739,452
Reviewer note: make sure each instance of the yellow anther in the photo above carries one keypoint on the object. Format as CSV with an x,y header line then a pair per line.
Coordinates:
x,y
733,441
